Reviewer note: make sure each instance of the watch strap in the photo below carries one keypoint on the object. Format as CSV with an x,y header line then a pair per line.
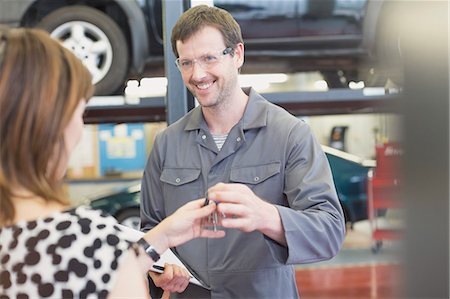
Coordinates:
x,y
149,249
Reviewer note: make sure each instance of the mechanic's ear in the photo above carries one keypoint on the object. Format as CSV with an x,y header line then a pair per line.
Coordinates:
x,y
239,55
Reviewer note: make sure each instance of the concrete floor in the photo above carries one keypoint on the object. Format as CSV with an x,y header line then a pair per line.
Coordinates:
x,y
356,272
357,249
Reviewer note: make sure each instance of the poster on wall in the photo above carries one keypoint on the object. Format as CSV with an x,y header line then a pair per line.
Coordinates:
x,y
121,148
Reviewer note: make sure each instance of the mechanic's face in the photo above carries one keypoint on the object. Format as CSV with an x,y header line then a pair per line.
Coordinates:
x,y
207,71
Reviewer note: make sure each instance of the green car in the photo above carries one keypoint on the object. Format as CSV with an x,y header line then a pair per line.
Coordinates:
x,y
349,173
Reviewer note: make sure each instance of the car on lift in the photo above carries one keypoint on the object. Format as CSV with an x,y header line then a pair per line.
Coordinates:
x,y
350,175
122,39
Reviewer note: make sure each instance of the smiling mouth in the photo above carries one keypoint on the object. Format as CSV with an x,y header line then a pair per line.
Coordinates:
x,y
204,86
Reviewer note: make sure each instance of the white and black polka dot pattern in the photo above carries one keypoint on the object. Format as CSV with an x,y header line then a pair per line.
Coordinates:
x,y
72,254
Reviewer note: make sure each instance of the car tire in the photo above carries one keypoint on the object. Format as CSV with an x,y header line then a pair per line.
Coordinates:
x,y
81,29
130,218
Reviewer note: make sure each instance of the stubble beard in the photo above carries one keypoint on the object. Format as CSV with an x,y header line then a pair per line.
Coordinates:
x,y
223,99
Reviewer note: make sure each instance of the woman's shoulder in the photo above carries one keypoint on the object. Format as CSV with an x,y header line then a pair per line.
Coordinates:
x,y
76,226
96,222
80,240
86,216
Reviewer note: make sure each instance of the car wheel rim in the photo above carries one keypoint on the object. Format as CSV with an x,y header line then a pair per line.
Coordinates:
x,y
89,44
133,222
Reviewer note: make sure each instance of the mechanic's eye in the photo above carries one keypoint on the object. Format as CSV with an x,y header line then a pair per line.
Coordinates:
x,y
186,63
209,58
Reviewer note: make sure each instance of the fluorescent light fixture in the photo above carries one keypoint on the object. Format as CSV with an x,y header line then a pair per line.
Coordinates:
x,y
356,85
200,2
266,78
146,87
374,91
106,101
156,81
157,86
321,85
261,81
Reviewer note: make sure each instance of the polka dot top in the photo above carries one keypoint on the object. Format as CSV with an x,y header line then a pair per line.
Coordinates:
x,y
70,254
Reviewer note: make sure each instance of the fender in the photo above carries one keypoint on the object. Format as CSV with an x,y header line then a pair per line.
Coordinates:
x,y
139,50
19,7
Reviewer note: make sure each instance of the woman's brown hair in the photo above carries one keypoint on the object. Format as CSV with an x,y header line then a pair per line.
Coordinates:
x,y
41,84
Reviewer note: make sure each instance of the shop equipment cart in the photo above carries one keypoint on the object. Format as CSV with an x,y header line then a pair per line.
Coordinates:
x,y
383,192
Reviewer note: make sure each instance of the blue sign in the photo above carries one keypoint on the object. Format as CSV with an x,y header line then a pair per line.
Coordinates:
x,y
121,148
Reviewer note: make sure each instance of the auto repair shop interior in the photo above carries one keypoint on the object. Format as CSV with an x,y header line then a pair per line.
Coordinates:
x,y
364,107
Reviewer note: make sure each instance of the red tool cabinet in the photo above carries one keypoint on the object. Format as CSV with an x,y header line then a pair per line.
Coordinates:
x,y
383,192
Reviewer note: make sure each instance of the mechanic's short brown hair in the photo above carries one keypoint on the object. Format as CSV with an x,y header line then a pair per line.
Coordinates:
x,y
197,17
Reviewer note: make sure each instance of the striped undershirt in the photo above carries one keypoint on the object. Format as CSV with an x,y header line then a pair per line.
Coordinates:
x,y
219,139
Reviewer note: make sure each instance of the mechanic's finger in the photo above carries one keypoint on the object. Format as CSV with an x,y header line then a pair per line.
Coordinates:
x,y
243,224
232,209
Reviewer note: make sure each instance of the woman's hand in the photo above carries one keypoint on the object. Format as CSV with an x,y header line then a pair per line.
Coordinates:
x,y
188,221
183,225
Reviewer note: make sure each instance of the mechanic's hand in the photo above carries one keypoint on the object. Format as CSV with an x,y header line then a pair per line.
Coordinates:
x,y
173,279
247,212
242,208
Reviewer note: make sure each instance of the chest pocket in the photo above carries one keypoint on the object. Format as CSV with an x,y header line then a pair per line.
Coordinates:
x,y
179,176
255,174
180,185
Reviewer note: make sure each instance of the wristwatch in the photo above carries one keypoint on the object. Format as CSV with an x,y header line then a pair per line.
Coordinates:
x,y
149,249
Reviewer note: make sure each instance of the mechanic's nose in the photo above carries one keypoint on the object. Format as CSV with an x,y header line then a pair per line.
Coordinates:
x,y
198,72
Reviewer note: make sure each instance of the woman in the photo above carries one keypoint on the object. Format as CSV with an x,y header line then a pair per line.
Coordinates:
x,y
48,249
